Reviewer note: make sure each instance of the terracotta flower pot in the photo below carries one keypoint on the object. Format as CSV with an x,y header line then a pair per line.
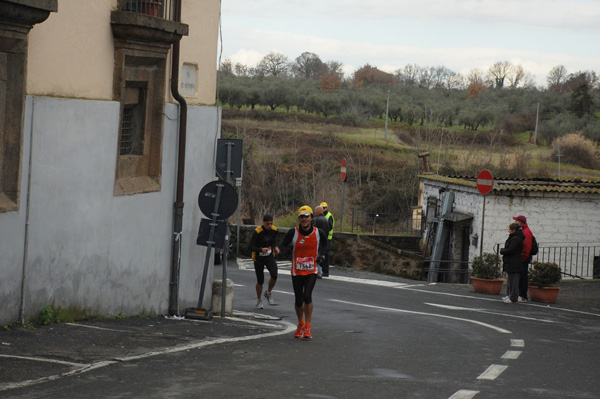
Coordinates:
x,y
543,294
487,286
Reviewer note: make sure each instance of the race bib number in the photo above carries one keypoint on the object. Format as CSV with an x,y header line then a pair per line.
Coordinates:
x,y
305,263
269,252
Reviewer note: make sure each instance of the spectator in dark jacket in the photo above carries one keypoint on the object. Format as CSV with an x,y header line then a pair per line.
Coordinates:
x,y
512,263
525,256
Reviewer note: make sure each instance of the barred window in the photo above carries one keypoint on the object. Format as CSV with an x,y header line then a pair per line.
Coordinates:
x,y
133,122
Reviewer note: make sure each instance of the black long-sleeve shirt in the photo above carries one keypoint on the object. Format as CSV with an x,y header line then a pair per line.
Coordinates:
x,y
262,238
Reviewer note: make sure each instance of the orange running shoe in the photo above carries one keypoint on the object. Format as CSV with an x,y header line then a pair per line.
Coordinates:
x,y
299,330
307,332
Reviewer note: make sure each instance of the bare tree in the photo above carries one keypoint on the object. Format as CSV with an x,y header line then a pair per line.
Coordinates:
x,y
475,76
498,73
335,68
274,64
408,76
516,76
556,77
456,81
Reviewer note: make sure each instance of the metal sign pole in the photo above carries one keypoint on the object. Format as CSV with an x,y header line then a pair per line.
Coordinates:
x,y
482,221
210,242
229,172
343,177
238,183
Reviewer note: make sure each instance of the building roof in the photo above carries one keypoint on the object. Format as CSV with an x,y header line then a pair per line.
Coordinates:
x,y
576,185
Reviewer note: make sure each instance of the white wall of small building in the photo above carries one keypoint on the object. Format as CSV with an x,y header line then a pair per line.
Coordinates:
x,y
556,219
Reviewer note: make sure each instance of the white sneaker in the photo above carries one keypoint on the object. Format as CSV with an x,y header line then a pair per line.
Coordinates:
x,y
270,298
505,297
506,300
259,304
521,299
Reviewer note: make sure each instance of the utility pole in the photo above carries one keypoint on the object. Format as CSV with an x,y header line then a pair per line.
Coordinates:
x,y
558,155
537,114
387,107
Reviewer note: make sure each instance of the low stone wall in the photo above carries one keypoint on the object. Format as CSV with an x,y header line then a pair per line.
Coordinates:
x,y
394,255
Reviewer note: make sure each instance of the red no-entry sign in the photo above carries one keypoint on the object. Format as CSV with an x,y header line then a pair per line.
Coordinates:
x,y
485,181
343,170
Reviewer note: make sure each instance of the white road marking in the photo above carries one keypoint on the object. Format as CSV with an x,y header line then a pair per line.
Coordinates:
x,y
379,283
517,343
464,394
96,327
43,360
492,372
498,329
488,312
283,292
83,368
416,287
512,355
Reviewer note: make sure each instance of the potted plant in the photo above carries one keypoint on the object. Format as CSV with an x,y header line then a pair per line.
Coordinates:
x,y
486,274
542,277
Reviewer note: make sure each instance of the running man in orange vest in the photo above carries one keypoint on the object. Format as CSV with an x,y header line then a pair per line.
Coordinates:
x,y
309,244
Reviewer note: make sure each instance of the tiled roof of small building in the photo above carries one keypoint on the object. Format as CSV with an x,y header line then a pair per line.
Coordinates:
x,y
575,185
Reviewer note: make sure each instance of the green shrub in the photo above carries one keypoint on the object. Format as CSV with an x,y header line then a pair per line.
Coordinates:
x,y
486,266
577,150
544,274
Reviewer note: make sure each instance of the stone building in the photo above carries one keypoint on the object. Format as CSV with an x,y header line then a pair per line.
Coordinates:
x,y
461,223
108,126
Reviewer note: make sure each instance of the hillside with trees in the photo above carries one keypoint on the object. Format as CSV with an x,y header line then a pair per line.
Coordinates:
x,y
299,118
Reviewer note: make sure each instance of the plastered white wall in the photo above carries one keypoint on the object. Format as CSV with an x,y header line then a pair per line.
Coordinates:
x,y
86,247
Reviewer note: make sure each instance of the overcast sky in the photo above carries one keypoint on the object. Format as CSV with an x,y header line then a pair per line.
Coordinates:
x,y
389,34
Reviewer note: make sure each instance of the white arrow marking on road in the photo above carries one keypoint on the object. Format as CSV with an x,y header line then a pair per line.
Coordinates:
x,y
500,330
492,372
488,312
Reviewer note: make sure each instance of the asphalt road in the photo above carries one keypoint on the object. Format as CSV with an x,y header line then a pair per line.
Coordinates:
x,y
373,337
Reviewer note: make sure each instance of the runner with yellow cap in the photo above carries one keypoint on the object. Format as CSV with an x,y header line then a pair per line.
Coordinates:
x,y
309,243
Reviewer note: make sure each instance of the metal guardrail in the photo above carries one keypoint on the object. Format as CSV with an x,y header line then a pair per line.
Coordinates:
x,y
385,223
165,9
575,260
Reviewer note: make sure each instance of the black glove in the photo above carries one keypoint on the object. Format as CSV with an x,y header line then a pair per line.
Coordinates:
x,y
320,259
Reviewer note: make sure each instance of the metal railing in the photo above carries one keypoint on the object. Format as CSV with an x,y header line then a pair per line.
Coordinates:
x,y
576,260
165,9
385,223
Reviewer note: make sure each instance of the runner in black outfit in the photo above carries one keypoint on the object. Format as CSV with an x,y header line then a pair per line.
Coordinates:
x,y
262,244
